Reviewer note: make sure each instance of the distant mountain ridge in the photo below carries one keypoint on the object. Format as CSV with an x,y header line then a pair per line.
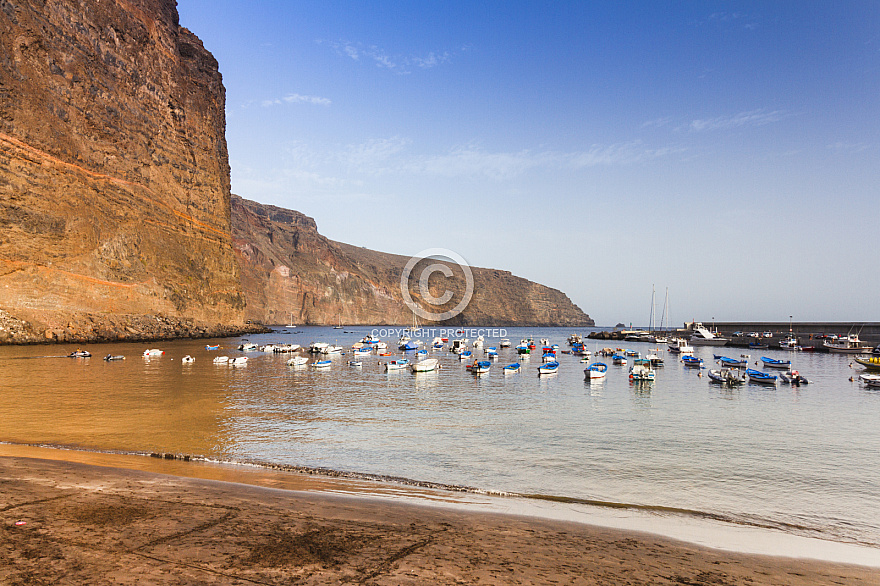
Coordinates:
x,y
290,271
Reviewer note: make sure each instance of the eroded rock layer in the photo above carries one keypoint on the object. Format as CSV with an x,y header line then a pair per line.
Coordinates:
x,y
114,176
291,272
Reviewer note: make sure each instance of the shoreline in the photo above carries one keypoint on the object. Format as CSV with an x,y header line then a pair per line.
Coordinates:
x,y
81,523
741,542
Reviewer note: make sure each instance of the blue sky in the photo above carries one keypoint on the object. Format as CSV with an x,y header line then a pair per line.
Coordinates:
x,y
729,151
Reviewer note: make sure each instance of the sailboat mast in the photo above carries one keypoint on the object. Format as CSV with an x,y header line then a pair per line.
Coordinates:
x,y
651,320
665,317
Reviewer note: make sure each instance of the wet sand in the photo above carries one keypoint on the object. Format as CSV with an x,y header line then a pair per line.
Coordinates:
x,y
69,522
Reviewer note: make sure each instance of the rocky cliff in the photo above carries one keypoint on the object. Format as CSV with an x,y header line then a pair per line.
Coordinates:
x,y
290,272
114,177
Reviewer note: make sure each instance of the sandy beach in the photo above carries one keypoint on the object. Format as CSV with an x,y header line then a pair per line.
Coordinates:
x,y
67,522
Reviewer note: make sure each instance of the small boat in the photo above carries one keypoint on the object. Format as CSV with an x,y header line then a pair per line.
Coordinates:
x,y
490,350
726,362
421,352
239,361
679,346
549,357
426,365
867,377
465,355
361,352
756,376
322,364
618,359
846,345
789,343
505,343
110,357
458,346
641,370
523,349
318,347
793,377
692,361
331,350
512,368
154,352
187,359
870,362
548,368
478,343
80,354
727,376
574,339
221,360
298,361
631,353
654,358
409,345
380,345
355,363
596,370
209,347
248,347
385,354
758,346
399,364
268,348
773,363
480,366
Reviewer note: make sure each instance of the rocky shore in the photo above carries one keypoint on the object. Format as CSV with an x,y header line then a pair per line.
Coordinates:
x,y
83,328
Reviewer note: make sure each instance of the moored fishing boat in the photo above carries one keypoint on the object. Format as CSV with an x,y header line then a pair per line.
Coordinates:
x,y
548,357
774,363
505,343
596,370
654,358
355,363
221,360
726,362
465,355
793,377
619,359
298,361
426,365
110,357
480,366
152,352
692,361
512,368
679,346
756,376
728,376
247,347
321,364
850,344
238,361
398,364
641,370
548,368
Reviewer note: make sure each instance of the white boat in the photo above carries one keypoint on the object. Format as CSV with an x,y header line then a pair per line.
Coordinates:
x,y
426,365
332,350
480,367
322,364
596,370
505,343
396,364
465,355
701,336
478,343
187,359
641,370
654,358
247,347
221,360
549,368
789,343
679,346
459,346
355,363
381,345
846,345
361,352
239,361
318,347
152,352
298,361
268,348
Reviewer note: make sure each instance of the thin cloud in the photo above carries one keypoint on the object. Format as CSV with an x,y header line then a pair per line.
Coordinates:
x,y
296,99
752,118
401,64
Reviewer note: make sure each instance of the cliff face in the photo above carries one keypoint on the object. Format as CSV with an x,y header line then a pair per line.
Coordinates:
x,y
114,178
291,272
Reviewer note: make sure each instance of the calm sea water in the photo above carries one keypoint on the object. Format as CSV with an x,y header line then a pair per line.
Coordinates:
x,y
805,460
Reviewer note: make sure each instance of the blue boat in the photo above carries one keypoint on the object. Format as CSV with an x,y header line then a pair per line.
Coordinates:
x,y
321,364
756,376
411,345
549,357
209,347
481,366
773,363
548,368
465,355
692,361
511,368
596,370
731,362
